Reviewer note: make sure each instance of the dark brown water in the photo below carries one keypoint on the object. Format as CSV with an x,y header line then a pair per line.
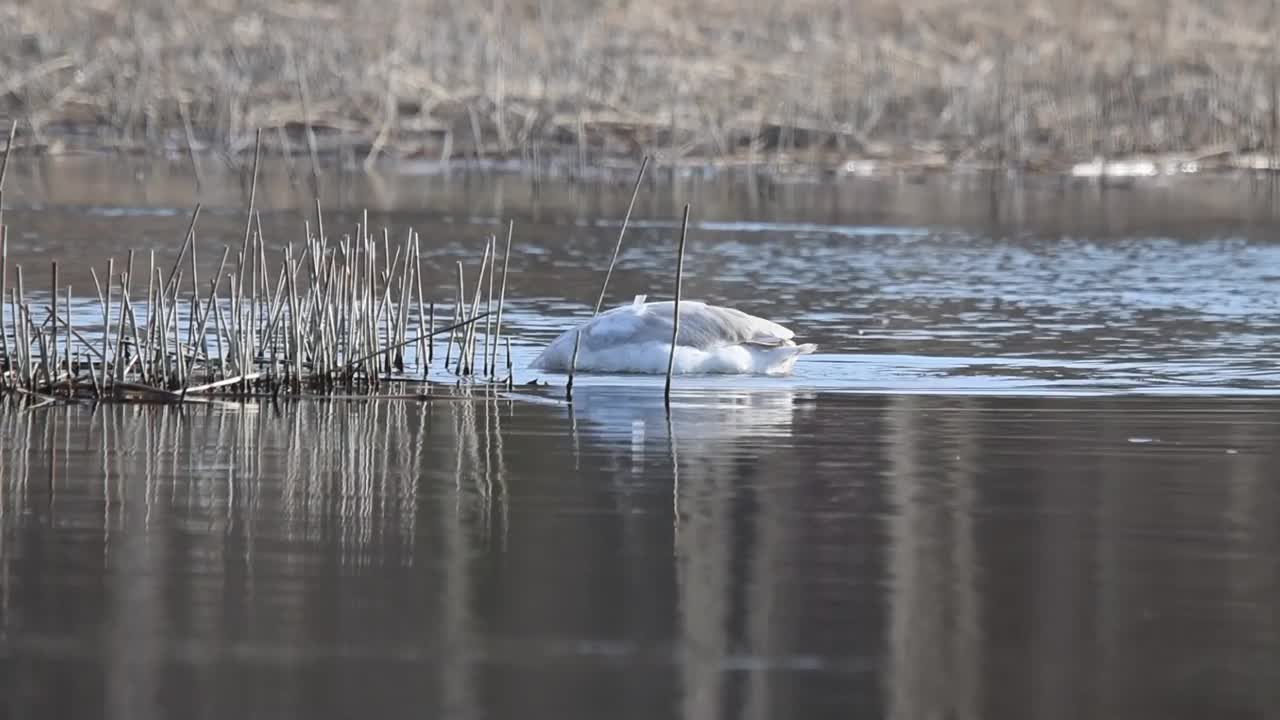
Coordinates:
x,y
1031,473
762,555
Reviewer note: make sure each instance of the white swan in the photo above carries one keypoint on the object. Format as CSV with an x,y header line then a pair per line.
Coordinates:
x,y
637,339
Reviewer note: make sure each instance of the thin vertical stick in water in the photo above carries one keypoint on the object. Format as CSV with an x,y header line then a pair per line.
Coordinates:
x,y
23,342
4,240
248,229
44,347
254,312
406,297
66,348
431,337
17,360
126,309
486,367
573,366
4,164
253,199
105,299
106,319
178,349
457,318
53,328
202,325
502,296
510,371
161,310
319,221
217,334
294,319
151,299
468,346
675,320
125,287
24,322
93,377
424,344
4,290
389,266
266,278
182,254
195,292
18,323
621,233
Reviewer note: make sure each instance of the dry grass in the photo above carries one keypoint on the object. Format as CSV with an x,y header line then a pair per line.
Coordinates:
x,y
941,81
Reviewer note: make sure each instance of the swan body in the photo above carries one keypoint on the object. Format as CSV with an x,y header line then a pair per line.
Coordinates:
x,y
636,338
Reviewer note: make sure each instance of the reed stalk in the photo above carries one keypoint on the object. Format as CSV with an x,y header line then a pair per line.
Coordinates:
x,y
423,352
125,307
187,240
151,303
66,348
4,277
406,297
106,320
53,338
4,164
253,198
44,349
573,366
486,367
457,305
510,369
17,340
20,301
675,320
621,234
468,345
502,296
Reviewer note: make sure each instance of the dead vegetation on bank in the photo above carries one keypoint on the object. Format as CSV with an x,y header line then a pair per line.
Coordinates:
x,y
930,82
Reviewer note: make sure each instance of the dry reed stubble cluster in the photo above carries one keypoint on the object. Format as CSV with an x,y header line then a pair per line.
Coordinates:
x,y
815,81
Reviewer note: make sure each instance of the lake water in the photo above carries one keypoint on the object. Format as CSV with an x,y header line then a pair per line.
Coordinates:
x,y
1030,472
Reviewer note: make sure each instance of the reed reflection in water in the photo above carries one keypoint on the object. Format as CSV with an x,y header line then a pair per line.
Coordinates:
x,y
749,555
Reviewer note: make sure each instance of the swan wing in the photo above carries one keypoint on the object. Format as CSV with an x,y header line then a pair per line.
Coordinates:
x,y
702,326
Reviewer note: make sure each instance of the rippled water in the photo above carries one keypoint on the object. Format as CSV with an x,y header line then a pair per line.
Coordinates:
x,y
904,287
1030,472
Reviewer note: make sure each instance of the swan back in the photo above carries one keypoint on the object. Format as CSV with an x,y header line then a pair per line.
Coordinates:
x,y
702,326
637,338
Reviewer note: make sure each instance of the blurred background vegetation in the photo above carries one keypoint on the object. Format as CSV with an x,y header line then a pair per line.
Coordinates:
x,y
1031,85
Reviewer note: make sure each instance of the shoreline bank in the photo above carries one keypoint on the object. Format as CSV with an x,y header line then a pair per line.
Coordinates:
x,y
352,153
1045,87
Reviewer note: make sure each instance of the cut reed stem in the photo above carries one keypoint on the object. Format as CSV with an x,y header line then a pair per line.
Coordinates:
x,y
502,296
573,365
4,283
675,320
621,233
485,368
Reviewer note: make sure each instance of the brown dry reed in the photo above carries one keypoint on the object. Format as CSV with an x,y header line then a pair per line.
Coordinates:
x,y
1022,84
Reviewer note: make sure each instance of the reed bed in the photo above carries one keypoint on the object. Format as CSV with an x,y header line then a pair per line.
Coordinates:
x,y
336,316
809,82
331,316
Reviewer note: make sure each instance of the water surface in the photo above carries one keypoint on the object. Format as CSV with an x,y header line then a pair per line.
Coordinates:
x,y
756,555
1030,472
947,285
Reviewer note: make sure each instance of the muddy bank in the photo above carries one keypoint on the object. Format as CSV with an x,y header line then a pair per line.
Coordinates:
x,y
570,84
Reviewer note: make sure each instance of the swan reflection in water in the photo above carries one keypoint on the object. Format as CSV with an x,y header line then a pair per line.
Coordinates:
x,y
708,432
713,446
